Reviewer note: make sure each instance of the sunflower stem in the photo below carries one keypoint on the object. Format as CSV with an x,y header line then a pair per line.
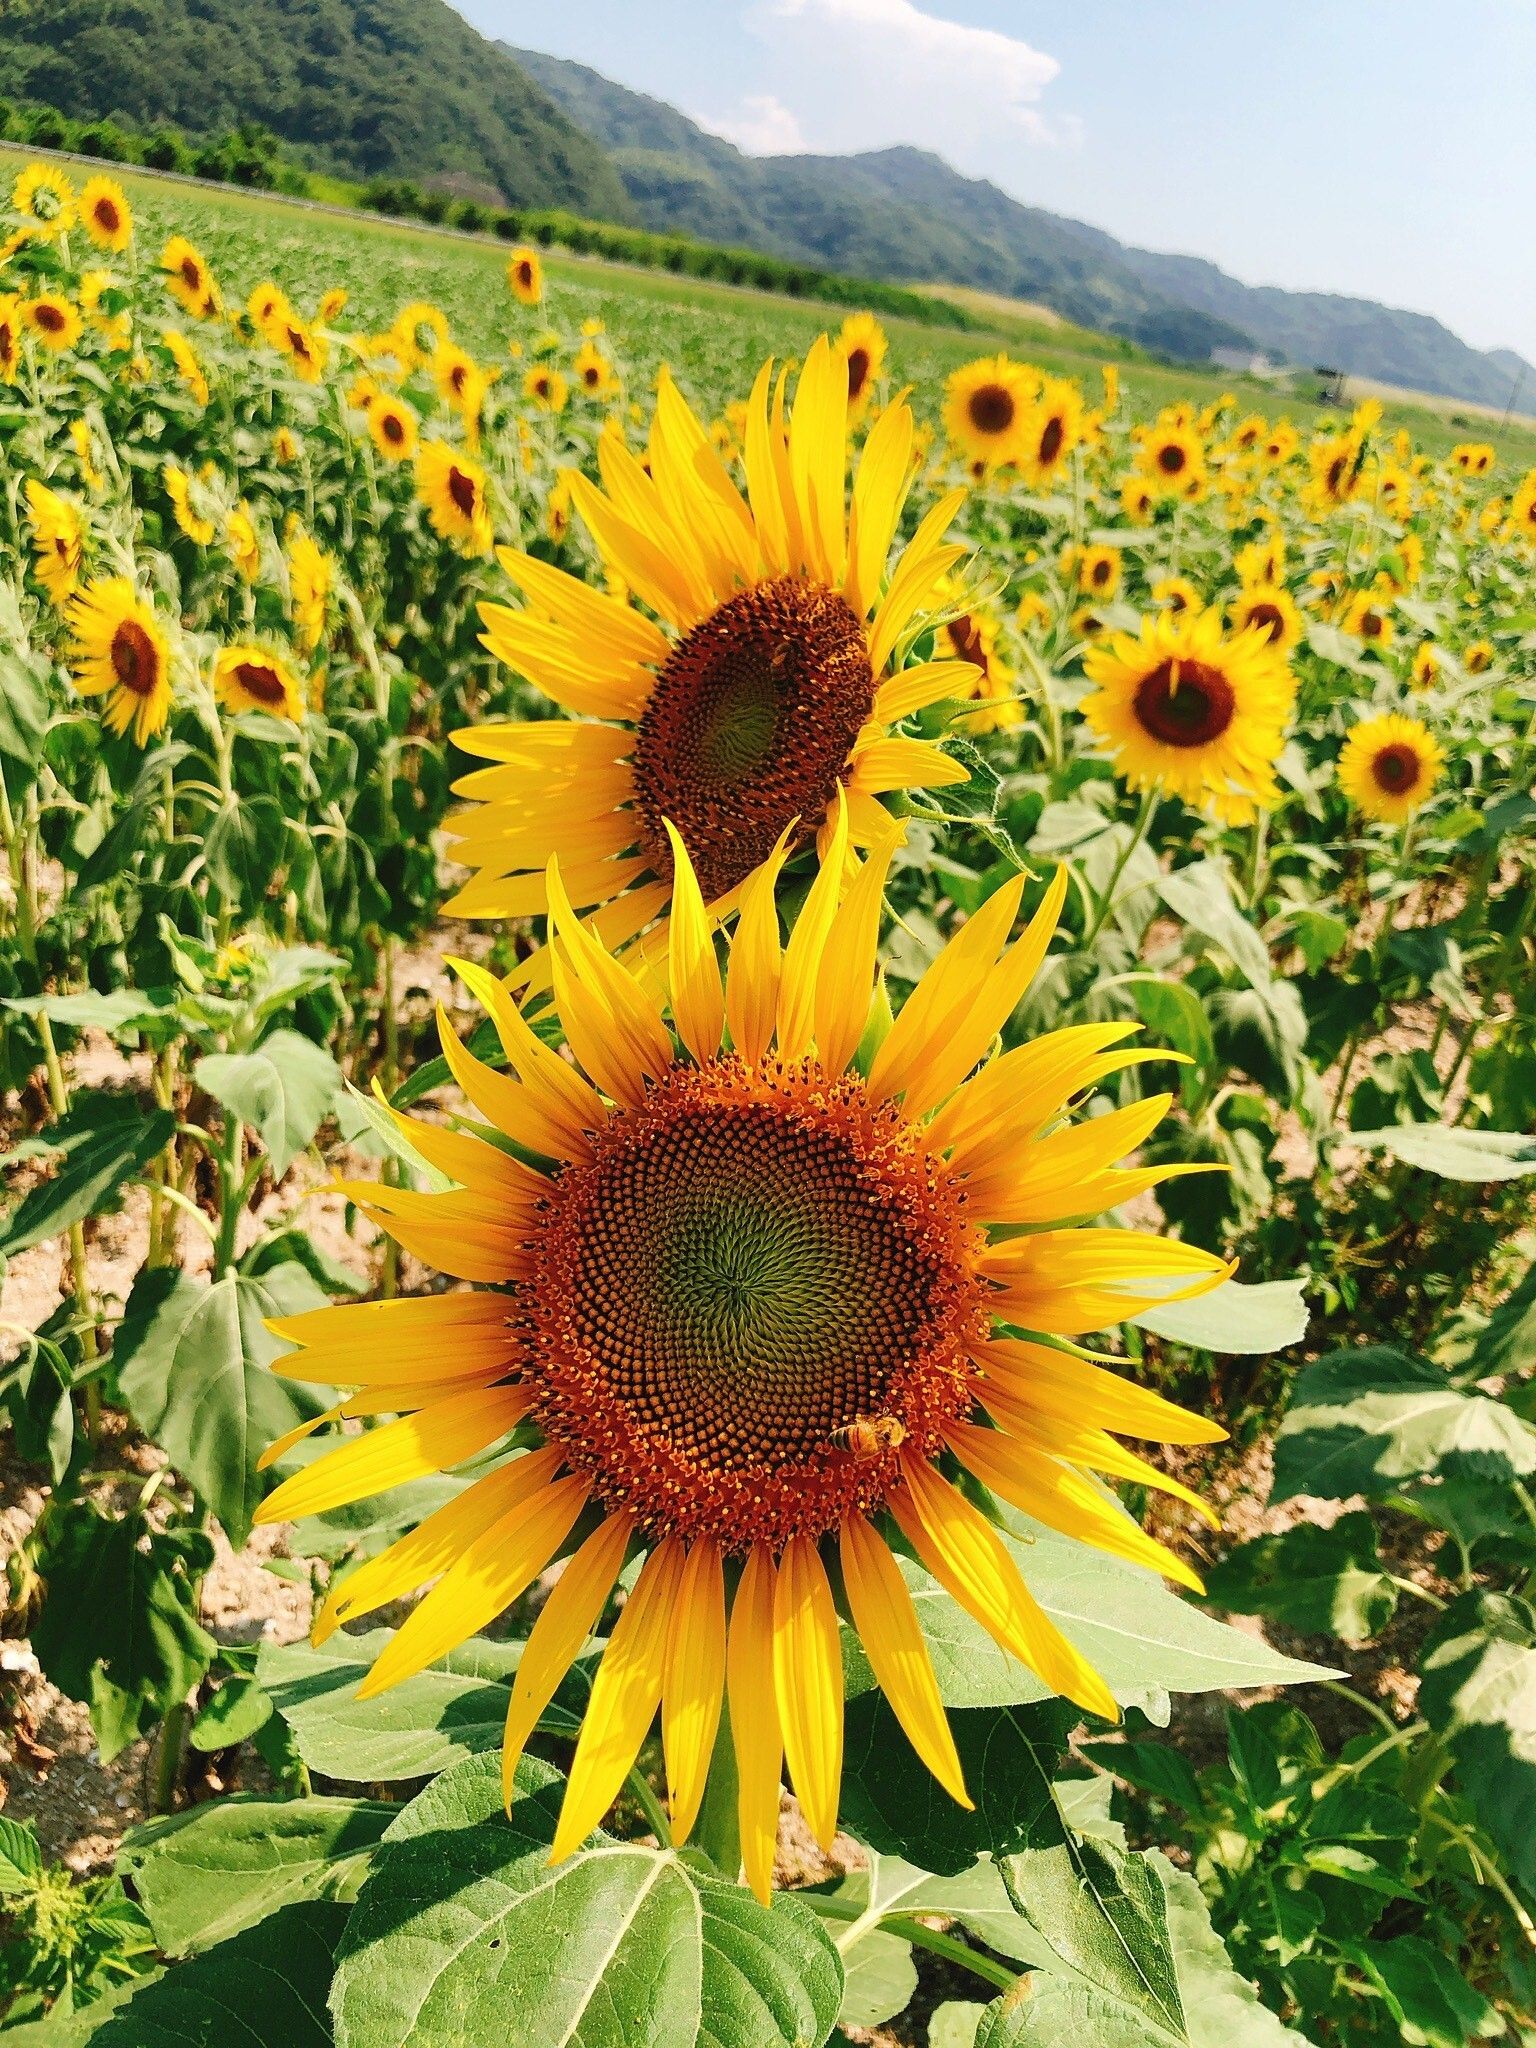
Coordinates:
x,y
718,1831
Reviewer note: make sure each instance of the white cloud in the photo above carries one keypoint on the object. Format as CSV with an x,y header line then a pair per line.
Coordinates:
x,y
762,126
868,74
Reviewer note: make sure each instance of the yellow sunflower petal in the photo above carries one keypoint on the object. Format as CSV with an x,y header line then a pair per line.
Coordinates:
x,y
431,1441
380,1342
698,1003
752,981
807,943
847,975
755,1731
808,1683
694,1685
1060,1383
625,1695
887,1624
570,1614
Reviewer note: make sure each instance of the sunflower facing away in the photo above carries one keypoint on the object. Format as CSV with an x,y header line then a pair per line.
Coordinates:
x,y
764,688
120,651
757,1318
1388,767
1187,709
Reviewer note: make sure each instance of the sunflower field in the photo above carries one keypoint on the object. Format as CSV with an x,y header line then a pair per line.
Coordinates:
x,y
768,1261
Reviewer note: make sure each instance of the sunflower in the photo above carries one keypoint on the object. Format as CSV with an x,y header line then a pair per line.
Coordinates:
x,y
1270,607
45,199
766,684
120,650
1335,461
1138,499
1522,507
861,349
525,274
107,216
187,277
1473,458
311,573
12,321
1368,617
1388,766
85,455
593,372
1282,444
420,330
1425,671
305,347
970,634
247,678
1261,561
451,484
268,306
1477,657
193,522
557,506
1052,428
54,319
985,404
285,447
58,541
547,389
1176,594
1099,570
1187,709
188,367
1172,458
392,426
1033,612
459,379
331,305
1110,375
244,545
758,1318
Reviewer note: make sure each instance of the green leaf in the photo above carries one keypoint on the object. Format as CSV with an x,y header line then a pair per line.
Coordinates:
x,y
455,1709
1155,1767
1144,1639
194,1364
232,1715
953,2024
1366,1421
1454,1154
1236,1317
1201,895
266,1988
1508,1344
1103,1916
24,695
891,1889
892,1801
204,1875
103,1140
123,1011
1262,1030
1134,1967
879,1980
1477,1690
619,1946
83,2026
1319,1581
364,1117
244,847
1426,1992
119,1627
21,1860
1173,1011
283,1090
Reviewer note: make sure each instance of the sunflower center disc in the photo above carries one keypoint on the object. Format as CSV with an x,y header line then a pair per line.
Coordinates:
x,y
1396,768
992,409
750,723
1270,617
133,658
751,1263
1185,703
260,682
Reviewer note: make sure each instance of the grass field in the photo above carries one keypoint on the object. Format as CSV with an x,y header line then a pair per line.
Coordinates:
x,y
697,326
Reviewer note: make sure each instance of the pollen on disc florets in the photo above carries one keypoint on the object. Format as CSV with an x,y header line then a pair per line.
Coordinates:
x,y
750,723
751,1262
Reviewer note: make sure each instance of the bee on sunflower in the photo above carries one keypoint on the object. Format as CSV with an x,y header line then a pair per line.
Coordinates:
x,y
756,1311
1188,709
120,651
764,681
1389,766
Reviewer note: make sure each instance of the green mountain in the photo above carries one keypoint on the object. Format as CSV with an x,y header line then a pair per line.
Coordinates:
x,y
397,88
902,213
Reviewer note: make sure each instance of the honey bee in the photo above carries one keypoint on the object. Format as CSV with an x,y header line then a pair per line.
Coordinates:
x,y
869,1436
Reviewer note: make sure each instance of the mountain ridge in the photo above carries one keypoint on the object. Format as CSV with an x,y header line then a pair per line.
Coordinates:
x,y
867,212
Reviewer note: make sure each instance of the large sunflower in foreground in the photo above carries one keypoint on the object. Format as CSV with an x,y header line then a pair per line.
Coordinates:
x,y
760,688
1190,709
753,1315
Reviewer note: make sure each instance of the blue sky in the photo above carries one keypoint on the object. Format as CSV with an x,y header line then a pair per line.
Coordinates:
x,y
1380,147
